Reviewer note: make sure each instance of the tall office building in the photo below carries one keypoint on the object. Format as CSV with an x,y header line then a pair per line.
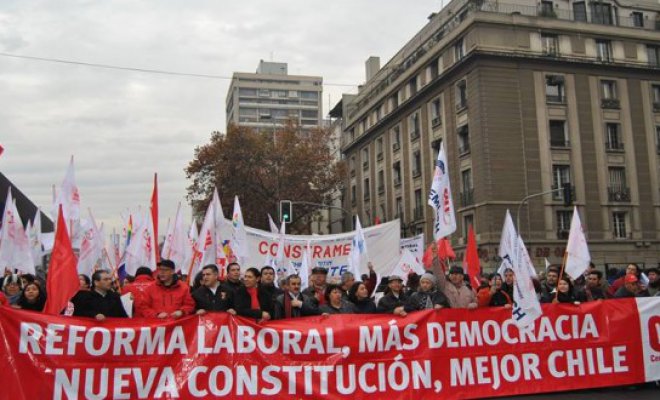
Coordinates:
x,y
527,96
267,99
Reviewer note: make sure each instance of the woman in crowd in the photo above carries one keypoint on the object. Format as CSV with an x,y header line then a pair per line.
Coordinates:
x,y
85,282
32,298
358,294
12,288
491,294
250,300
427,297
334,304
565,291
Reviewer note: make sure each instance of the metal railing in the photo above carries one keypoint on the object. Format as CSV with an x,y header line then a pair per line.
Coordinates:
x,y
614,146
618,193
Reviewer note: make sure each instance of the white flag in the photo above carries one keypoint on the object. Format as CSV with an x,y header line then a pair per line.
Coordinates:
x,y
239,244
577,252
525,259
304,267
547,264
358,255
271,223
281,264
176,240
407,263
140,251
189,249
34,235
69,197
444,223
507,249
91,248
15,250
526,307
205,246
219,215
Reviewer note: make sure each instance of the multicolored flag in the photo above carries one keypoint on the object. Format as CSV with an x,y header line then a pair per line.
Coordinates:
x,y
444,223
239,243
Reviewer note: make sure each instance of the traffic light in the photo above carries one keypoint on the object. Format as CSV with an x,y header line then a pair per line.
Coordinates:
x,y
568,194
286,211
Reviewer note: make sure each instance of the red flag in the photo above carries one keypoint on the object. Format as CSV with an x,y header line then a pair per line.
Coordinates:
x,y
62,281
154,215
471,260
444,250
377,220
1,149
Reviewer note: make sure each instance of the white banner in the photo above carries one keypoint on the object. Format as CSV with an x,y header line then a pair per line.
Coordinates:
x,y
415,245
327,251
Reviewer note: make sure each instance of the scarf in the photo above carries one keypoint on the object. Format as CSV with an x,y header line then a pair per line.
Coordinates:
x,y
254,298
287,305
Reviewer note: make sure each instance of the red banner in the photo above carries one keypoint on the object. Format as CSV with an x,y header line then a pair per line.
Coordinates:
x,y
447,353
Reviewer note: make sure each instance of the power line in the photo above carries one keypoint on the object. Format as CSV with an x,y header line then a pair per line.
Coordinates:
x,y
134,69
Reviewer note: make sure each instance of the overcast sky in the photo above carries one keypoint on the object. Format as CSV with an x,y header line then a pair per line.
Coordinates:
x,y
123,126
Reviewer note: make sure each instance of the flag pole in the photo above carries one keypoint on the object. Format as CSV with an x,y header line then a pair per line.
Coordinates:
x,y
115,274
561,274
192,263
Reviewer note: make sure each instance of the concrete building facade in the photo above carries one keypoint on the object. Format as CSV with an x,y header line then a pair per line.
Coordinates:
x,y
527,96
269,98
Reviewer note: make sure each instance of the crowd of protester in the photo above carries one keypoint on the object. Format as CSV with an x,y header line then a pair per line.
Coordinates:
x,y
254,293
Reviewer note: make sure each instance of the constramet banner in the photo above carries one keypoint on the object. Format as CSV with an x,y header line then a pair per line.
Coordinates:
x,y
328,251
440,354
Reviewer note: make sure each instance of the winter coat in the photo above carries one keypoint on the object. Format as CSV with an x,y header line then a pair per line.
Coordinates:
x,y
389,302
205,299
137,288
159,298
426,300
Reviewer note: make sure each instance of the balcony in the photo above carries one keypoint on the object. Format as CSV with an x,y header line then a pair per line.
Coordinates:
x,y
559,194
555,99
365,165
396,146
435,122
381,189
352,173
614,147
367,196
618,194
414,135
416,173
418,214
562,234
379,156
467,197
656,106
397,181
612,104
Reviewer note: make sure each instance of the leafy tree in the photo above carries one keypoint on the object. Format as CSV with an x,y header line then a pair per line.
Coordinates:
x,y
263,168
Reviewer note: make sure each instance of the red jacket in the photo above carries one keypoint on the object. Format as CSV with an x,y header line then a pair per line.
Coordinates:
x,y
158,298
3,300
137,289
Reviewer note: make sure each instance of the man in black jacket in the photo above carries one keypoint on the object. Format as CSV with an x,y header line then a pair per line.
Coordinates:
x,y
100,302
211,296
233,282
395,299
292,303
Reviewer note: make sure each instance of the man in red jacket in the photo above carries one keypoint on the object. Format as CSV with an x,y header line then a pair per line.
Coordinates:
x,y
167,297
143,279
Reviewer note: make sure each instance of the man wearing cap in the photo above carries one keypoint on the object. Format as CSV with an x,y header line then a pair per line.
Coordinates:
x,y
393,302
459,295
630,288
317,290
167,297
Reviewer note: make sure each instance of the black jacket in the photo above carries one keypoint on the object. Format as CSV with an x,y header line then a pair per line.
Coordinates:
x,y
232,287
426,300
243,303
308,307
91,303
366,306
206,300
389,302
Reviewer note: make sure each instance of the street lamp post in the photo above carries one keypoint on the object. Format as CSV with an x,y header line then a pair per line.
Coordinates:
x,y
531,196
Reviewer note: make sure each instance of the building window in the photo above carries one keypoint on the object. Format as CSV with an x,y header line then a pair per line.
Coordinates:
x,y
379,148
558,137
435,145
413,126
412,86
467,190
468,221
351,165
381,182
549,44
461,94
353,194
365,158
655,93
653,53
613,140
547,9
637,19
601,13
463,140
436,112
433,68
609,96
554,89
459,49
619,223
367,191
561,174
396,173
394,101
419,206
603,50
398,211
396,138
580,11
617,190
417,164
564,218
657,138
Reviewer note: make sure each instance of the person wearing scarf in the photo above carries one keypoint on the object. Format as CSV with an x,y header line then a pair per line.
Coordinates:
x,y
565,292
251,301
358,294
32,298
293,303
